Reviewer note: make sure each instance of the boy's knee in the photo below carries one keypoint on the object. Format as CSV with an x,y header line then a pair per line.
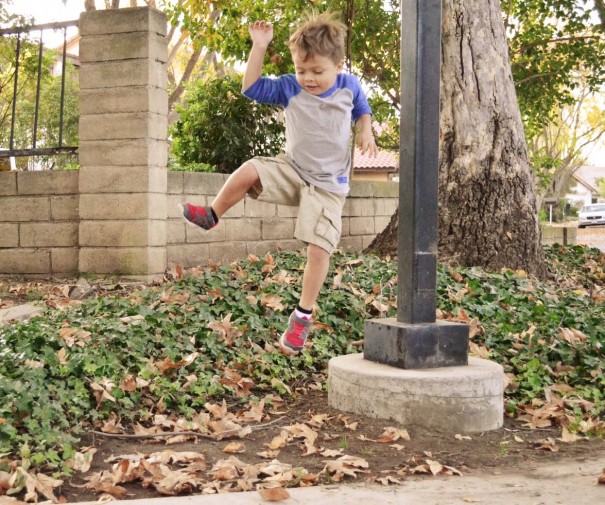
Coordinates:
x,y
249,171
317,253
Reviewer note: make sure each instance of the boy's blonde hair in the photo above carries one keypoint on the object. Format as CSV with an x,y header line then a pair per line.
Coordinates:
x,y
320,34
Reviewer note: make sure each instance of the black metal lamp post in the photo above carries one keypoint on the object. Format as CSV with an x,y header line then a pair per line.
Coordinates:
x,y
415,339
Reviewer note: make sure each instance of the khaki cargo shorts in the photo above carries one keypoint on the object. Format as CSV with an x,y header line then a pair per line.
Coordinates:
x,y
319,219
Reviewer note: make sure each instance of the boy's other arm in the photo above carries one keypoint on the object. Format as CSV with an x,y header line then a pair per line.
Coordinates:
x,y
261,34
365,137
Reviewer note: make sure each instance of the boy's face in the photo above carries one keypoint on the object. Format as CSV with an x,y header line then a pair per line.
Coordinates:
x,y
317,74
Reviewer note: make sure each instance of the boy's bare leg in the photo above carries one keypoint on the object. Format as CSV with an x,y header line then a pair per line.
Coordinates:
x,y
316,271
235,188
293,340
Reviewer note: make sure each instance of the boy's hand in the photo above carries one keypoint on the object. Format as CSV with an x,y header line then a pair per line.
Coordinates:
x,y
364,136
366,143
261,33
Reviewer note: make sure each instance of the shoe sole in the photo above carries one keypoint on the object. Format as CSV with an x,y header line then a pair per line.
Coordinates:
x,y
189,223
287,350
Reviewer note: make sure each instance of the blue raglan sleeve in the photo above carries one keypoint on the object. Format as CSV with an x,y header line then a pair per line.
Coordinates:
x,y
276,91
360,101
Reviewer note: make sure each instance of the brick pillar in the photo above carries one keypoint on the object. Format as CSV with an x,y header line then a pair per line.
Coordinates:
x,y
123,144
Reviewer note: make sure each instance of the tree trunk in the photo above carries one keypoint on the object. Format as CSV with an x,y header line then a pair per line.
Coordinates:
x,y
487,204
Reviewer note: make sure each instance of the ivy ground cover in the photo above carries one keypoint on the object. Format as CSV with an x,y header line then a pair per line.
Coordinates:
x,y
197,349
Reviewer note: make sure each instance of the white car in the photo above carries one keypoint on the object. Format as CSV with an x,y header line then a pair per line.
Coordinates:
x,y
591,215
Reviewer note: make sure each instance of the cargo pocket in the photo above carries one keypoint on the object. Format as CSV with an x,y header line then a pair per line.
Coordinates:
x,y
329,227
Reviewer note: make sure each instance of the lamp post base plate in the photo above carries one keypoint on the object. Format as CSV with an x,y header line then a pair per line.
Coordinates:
x,y
428,345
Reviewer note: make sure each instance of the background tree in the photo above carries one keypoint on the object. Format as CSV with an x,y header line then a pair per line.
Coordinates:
x,y
601,186
562,146
487,205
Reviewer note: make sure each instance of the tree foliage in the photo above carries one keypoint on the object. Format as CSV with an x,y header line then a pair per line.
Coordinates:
x,y
560,148
554,46
551,42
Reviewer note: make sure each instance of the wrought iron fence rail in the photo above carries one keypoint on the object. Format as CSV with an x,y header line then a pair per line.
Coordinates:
x,y
32,28
46,151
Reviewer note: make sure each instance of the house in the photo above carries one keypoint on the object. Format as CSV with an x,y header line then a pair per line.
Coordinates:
x,y
383,167
72,54
585,186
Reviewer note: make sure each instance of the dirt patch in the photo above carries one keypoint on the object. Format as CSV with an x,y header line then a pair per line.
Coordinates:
x,y
501,451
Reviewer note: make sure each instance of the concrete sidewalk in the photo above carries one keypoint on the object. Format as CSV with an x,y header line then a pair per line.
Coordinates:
x,y
569,481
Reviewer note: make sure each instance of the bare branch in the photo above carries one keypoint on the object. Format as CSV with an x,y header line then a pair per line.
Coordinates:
x,y
176,94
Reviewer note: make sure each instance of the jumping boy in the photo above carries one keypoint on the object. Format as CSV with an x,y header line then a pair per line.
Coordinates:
x,y
320,102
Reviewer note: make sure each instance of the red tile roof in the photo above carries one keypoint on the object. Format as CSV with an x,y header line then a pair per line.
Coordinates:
x,y
387,161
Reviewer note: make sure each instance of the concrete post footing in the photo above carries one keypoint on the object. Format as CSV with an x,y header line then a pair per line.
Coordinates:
x,y
448,399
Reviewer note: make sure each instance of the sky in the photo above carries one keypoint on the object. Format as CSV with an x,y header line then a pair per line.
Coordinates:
x,y
47,11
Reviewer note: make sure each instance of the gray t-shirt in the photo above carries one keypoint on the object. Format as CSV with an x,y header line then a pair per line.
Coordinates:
x,y
318,127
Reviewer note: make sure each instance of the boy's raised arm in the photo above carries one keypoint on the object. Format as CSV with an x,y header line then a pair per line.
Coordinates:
x,y
261,34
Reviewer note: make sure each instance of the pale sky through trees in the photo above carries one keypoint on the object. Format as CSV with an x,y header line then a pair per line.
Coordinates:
x,y
48,11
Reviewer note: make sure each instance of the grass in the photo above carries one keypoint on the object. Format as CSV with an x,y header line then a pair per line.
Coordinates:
x,y
209,336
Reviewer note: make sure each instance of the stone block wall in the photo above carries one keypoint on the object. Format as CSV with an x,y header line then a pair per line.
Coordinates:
x,y
39,223
253,227
566,235
43,223
123,145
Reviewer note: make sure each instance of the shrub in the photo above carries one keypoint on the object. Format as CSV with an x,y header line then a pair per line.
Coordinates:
x,y
219,126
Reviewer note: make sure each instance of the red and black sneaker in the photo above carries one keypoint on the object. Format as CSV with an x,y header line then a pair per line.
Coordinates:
x,y
203,217
294,338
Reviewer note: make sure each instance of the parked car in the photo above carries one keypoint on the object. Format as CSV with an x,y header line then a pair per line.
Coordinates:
x,y
591,215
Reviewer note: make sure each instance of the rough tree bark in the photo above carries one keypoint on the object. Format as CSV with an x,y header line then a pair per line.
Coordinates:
x,y
487,204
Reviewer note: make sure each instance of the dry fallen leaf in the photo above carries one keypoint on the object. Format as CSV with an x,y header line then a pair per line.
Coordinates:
x,y
268,454
225,330
385,481
462,437
567,436
102,393
82,460
234,448
391,434
128,383
331,453
548,444
345,465
274,494
103,484
318,420
278,442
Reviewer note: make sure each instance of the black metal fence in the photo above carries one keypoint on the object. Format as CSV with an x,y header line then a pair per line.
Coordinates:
x,y
23,43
